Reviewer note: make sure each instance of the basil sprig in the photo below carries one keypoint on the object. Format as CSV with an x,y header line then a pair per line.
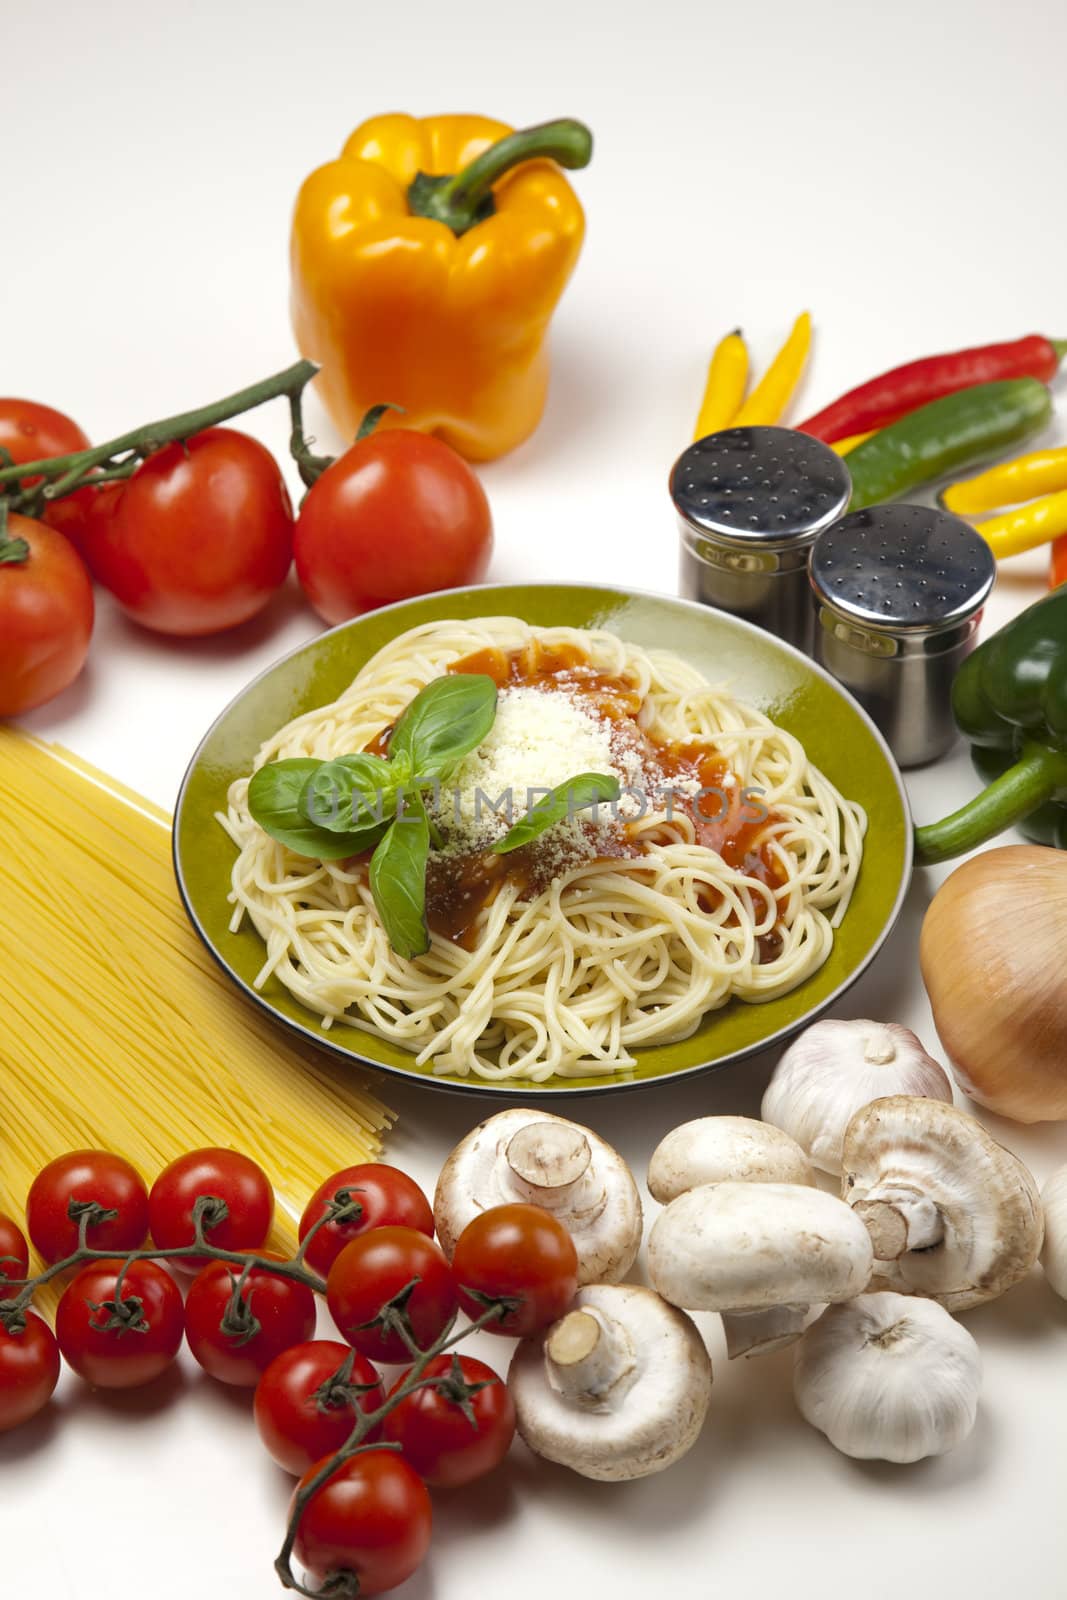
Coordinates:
x,y
578,794
332,809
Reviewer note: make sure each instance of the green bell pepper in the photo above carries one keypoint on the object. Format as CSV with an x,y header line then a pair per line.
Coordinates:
x,y
1010,700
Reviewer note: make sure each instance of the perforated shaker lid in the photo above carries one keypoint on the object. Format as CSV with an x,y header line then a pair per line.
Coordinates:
x,y
902,568
760,486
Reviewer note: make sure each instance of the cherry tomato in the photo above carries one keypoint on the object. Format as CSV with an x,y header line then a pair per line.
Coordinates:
x,y
29,1371
275,1313
305,1405
147,1323
386,1196
399,514
199,538
371,1517
32,432
14,1253
438,1438
517,1251
371,1271
46,615
225,1175
80,1176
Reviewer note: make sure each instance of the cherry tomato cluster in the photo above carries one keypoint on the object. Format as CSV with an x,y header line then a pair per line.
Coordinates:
x,y
199,535
364,1449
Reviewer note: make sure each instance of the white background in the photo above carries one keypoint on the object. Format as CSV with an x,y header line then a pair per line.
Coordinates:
x,y
898,170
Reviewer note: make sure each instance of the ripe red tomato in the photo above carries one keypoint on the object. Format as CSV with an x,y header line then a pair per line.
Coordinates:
x,y
225,1175
275,1313
371,1271
46,615
371,1517
29,1371
305,1405
80,1176
14,1252
126,1355
32,432
399,514
438,1439
517,1251
387,1198
199,538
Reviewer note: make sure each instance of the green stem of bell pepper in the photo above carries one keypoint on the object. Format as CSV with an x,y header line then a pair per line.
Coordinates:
x,y
466,197
1035,778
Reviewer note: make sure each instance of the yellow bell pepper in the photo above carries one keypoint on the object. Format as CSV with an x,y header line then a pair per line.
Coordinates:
x,y
1039,472
1030,525
724,391
774,391
426,264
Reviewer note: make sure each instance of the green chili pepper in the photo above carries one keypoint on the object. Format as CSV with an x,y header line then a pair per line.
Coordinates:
x,y
952,432
1010,700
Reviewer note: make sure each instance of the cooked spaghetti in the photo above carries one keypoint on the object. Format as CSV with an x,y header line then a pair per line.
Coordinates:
x,y
720,875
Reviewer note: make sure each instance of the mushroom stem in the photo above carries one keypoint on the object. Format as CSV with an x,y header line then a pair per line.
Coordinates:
x,y
899,1220
547,1161
590,1360
750,1333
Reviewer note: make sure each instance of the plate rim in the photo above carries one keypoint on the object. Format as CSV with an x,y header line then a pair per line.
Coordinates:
x,y
514,1087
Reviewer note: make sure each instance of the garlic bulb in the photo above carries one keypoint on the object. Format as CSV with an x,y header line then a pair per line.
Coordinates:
x,y
1054,1253
833,1069
888,1377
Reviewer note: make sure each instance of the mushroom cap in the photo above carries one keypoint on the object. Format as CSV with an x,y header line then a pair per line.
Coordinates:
x,y
987,1200
888,1377
753,1246
650,1422
583,1180
724,1149
833,1069
1054,1253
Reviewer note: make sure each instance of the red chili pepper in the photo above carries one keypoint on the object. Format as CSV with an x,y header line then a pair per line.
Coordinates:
x,y
1058,568
887,398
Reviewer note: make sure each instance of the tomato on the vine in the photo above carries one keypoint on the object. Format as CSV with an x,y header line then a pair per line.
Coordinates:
x,y
372,1271
399,514
435,1432
46,614
33,432
308,1400
14,1253
235,1330
516,1252
29,1371
386,1197
371,1517
226,1175
199,538
79,1178
120,1335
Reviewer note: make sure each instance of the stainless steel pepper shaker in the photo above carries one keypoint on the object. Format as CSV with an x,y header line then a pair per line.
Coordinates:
x,y
750,502
899,591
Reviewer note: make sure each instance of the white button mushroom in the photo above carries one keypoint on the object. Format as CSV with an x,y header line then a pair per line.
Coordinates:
x,y
951,1213
1054,1254
718,1149
760,1253
618,1389
888,1377
546,1161
836,1067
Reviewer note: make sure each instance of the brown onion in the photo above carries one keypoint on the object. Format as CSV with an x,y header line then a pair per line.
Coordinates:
x,y
994,960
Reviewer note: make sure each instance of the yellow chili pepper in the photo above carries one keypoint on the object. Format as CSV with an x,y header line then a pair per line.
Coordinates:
x,y
775,389
1028,527
724,392
426,263
1039,472
843,446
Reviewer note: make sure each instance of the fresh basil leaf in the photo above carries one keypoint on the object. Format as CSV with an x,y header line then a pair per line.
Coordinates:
x,y
353,794
445,721
274,802
398,884
587,789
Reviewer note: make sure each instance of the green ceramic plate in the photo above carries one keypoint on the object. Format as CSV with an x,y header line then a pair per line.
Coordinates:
x,y
838,736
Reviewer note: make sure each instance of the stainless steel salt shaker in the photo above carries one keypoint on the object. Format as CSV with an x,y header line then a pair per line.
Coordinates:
x,y
899,591
750,502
